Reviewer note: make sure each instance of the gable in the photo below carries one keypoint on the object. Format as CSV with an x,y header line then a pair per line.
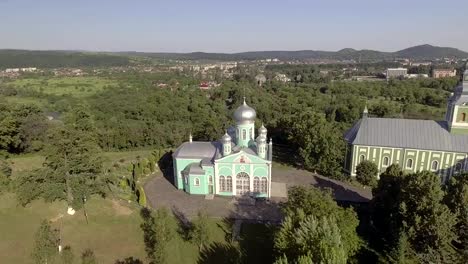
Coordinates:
x,y
241,157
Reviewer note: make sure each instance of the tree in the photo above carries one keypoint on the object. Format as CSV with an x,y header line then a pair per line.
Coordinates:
x,y
366,173
45,244
318,239
457,200
73,167
5,173
129,260
425,219
385,205
158,229
200,232
88,257
323,216
319,143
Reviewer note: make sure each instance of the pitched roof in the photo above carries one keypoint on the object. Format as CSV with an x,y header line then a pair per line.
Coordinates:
x,y
406,133
197,150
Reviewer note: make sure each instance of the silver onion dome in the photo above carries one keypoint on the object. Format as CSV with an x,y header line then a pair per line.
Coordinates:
x,y
262,130
245,114
261,139
226,138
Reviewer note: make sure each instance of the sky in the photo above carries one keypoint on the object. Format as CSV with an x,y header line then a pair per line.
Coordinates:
x,y
231,25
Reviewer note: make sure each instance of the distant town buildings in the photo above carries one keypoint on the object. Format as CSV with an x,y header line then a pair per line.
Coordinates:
x,y
396,73
442,73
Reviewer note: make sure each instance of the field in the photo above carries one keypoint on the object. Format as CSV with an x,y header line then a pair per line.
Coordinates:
x,y
75,86
30,162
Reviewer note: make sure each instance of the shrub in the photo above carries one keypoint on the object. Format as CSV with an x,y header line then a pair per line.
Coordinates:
x,y
366,173
146,171
141,196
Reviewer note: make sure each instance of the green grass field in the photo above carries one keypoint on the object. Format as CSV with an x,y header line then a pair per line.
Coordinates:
x,y
75,86
30,162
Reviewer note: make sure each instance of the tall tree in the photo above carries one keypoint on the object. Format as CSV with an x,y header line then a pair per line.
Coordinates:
x,y
385,205
457,200
73,167
45,244
319,143
318,207
425,219
318,239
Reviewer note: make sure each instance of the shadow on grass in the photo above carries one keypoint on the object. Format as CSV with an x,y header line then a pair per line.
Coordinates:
x,y
218,252
340,192
183,223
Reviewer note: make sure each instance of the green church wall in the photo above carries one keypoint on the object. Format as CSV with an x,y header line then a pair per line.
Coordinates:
x,y
422,159
249,139
201,188
179,166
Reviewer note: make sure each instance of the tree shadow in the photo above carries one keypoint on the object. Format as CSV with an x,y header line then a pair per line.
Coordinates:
x,y
340,192
129,260
165,164
218,252
149,235
183,223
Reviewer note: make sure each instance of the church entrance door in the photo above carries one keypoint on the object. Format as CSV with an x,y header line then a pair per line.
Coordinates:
x,y
242,183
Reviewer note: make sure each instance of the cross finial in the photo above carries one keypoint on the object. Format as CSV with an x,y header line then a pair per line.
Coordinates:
x,y
244,100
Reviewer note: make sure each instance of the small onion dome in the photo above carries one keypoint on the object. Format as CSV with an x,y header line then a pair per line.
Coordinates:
x,y
245,114
226,138
262,130
261,139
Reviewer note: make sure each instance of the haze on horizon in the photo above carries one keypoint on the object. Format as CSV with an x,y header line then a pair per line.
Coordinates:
x,y
230,26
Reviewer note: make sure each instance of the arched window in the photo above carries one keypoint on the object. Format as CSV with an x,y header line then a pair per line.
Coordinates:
x,y
435,165
250,133
409,163
385,161
264,185
458,167
463,117
197,182
256,185
222,183
244,136
362,158
242,183
210,179
229,184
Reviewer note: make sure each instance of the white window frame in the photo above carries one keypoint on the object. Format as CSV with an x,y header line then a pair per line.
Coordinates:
x,y
432,165
385,163
196,181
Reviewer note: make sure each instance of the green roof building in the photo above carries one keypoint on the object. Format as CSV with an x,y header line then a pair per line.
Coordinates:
x,y
237,165
416,145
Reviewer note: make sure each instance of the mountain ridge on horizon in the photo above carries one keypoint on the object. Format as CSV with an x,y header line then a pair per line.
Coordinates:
x,y
19,58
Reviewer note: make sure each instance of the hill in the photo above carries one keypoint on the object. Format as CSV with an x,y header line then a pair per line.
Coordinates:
x,y
57,59
417,52
53,59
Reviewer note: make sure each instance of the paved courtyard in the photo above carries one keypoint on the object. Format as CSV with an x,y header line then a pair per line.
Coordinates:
x,y
161,193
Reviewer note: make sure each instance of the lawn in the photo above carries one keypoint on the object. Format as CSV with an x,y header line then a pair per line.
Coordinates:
x,y
113,231
30,162
76,86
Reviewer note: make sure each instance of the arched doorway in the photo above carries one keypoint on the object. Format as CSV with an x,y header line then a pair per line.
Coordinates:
x,y
242,183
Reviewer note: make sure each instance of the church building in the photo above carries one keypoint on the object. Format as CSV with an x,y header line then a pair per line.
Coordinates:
x,y
416,145
236,165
